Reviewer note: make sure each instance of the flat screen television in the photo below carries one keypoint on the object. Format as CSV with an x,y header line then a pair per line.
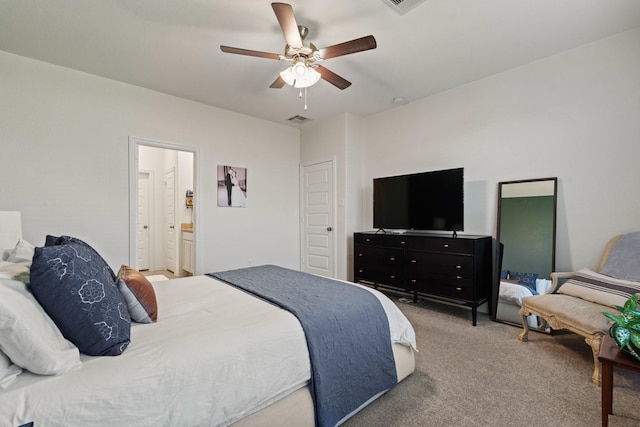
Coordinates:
x,y
421,201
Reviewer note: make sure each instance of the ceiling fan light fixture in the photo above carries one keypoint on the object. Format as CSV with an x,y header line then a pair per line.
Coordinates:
x,y
300,75
299,69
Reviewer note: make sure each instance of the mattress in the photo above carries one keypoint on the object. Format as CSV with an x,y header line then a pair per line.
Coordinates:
x,y
215,356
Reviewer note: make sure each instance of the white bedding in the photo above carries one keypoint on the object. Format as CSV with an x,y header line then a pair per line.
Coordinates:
x,y
166,375
512,293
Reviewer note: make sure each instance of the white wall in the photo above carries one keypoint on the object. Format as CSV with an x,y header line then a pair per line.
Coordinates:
x,y
64,164
575,116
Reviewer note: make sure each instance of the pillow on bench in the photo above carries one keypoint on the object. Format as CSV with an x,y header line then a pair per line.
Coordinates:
x,y
623,261
599,288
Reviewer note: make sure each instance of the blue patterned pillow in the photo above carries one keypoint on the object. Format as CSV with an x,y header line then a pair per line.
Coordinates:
x,y
61,240
526,279
74,286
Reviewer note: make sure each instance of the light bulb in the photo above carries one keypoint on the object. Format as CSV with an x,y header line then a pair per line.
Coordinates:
x,y
300,75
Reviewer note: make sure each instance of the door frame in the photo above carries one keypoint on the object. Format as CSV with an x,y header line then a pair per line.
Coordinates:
x,y
334,252
177,261
134,161
152,225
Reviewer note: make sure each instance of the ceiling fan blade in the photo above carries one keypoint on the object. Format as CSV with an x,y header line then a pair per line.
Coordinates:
x,y
353,46
287,20
278,83
333,78
249,52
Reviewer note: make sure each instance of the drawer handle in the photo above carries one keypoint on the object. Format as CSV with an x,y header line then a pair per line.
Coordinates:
x,y
445,246
393,277
402,242
458,289
359,254
392,259
413,261
458,277
367,240
414,281
360,271
458,267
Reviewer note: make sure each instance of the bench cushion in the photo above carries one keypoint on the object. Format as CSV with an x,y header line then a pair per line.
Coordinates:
x,y
583,315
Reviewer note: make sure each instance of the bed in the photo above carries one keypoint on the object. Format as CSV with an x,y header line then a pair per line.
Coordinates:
x,y
510,300
214,355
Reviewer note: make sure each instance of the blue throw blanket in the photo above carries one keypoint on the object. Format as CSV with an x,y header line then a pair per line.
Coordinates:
x,y
347,335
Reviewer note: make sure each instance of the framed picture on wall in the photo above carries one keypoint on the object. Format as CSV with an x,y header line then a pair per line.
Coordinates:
x,y
232,186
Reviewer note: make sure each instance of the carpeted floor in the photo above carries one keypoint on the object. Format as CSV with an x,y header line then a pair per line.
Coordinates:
x,y
484,376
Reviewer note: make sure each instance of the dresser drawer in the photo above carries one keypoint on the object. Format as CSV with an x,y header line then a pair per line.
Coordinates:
x,y
390,240
441,245
371,239
450,288
379,274
371,255
438,263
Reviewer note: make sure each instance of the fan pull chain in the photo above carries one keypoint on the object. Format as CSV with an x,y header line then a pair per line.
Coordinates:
x,y
305,97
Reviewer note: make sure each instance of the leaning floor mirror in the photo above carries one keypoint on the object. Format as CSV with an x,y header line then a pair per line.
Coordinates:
x,y
525,245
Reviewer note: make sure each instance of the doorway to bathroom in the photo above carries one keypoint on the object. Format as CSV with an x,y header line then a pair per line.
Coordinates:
x,y
163,207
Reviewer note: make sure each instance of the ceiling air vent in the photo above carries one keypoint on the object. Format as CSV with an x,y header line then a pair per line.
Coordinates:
x,y
403,6
298,119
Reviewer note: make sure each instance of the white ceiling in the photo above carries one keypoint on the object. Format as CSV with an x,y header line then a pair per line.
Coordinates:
x,y
172,46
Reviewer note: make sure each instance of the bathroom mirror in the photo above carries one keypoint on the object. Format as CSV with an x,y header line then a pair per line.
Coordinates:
x,y
525,245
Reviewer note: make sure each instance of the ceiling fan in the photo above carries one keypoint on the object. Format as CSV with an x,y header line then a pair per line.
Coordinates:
x,y
304,70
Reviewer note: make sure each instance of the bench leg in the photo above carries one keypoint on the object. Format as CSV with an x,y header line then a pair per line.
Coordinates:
x,y
595,343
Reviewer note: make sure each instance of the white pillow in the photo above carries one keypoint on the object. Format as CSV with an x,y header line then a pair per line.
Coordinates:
x,y
8,371
543,285
22,254
28,335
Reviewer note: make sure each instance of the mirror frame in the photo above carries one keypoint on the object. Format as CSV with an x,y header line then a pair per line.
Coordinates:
x,y
497,267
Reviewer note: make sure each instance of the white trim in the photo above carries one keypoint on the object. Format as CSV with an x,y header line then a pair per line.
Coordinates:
x,y
134,143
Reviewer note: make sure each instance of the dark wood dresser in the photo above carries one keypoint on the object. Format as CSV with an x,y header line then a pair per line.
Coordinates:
x,y
452,269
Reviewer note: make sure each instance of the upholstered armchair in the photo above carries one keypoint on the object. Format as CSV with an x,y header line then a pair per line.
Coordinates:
x,y
576,300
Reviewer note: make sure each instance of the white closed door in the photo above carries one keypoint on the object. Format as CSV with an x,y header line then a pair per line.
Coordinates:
x,y
143,221
170,219
317,219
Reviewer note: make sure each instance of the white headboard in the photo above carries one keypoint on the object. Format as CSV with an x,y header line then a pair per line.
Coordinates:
x,y
10,229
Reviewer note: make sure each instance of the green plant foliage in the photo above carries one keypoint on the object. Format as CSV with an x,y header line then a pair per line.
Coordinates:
x,y
626,327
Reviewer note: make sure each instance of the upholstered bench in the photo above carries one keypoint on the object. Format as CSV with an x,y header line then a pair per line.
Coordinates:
x,y
578,303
